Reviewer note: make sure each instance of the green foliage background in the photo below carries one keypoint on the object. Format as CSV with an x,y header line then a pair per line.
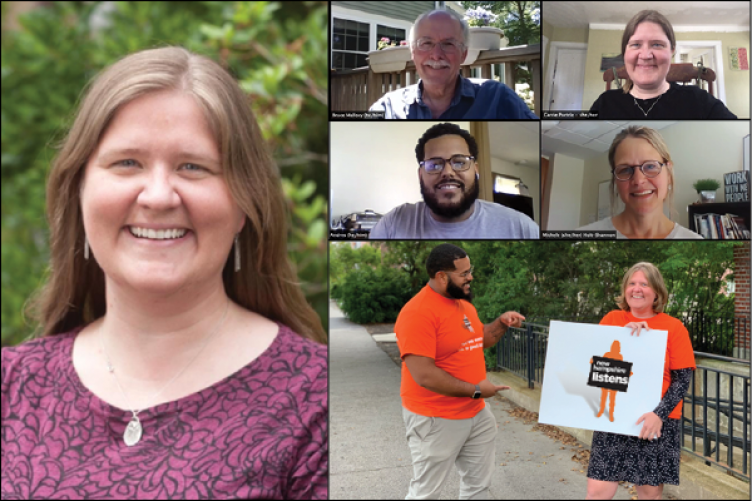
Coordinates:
x,y
278,54
517,23
546,280
374,294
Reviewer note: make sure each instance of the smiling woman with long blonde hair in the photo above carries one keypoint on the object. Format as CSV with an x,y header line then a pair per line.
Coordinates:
x,y
178,356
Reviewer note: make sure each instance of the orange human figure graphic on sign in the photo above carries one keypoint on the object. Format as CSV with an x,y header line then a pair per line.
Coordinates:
x,y
606,394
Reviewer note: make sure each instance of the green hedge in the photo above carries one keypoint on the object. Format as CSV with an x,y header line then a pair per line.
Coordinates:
x,y
374,296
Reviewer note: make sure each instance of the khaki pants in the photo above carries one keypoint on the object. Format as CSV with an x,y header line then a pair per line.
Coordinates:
x,y
437,443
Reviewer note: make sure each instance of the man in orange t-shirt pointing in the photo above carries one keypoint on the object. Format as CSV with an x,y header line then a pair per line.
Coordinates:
x,y
441,341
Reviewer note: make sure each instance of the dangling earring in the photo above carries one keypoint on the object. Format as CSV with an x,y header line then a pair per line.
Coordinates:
x,y
237,252
86,247
477,176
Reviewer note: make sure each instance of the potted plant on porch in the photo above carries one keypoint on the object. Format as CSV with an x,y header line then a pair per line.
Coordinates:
x,y
389,56
482,35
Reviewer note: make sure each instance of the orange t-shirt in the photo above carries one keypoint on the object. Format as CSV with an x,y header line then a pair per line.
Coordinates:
x,y
450,332
679,352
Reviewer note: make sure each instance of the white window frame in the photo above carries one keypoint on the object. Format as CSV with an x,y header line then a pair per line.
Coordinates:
x,y
331,40
365,17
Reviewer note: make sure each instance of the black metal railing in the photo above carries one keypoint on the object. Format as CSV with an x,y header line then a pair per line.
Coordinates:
x,y
715,436
522,351
717,335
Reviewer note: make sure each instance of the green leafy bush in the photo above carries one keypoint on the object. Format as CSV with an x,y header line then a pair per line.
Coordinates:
x,y
374,295
343,258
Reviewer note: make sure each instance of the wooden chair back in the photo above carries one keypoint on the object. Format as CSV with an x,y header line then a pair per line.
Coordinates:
x,y
678,72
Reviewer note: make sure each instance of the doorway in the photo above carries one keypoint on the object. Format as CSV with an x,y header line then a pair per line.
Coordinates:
x,y
709,53
565,76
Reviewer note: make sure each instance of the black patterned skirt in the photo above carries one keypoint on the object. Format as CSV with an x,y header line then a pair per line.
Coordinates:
x,y
641,462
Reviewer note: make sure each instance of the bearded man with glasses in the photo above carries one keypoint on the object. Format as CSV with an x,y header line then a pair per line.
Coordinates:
x,y
441,341
438,45
448,175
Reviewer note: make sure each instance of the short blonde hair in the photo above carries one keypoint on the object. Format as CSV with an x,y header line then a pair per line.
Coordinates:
x,y
657,142
655,281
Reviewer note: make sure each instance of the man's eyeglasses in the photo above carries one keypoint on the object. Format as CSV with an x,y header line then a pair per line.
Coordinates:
x,y
459,163
649,169
464,274
448,47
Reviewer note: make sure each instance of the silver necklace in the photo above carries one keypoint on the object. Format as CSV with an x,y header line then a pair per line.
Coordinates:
x,y
643,111
134,431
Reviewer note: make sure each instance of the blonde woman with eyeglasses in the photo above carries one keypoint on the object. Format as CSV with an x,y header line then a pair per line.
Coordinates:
x,y
642,177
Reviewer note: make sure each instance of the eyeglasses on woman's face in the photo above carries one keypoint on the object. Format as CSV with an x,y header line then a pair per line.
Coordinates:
x,y
459,163
448,47
649,169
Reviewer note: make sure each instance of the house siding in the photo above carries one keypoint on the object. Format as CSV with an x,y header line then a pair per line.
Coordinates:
x,y
406,11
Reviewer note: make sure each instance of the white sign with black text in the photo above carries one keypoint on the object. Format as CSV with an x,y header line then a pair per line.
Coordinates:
x,y
600,377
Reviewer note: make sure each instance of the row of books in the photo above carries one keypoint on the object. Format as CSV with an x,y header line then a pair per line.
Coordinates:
x,y
721,226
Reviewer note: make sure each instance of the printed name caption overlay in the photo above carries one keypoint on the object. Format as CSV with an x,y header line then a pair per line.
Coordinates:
x,y
610,374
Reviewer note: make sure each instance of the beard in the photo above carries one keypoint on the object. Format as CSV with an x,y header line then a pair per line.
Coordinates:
x,y
456,292
454,210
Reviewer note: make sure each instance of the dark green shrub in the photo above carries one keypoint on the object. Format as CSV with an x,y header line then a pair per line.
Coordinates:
x,y
335,291
372,296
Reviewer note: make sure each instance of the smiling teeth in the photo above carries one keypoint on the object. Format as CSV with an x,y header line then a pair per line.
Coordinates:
x,y
157,234
643,192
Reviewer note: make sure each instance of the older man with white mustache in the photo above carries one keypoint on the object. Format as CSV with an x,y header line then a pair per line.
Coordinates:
x,y
438,44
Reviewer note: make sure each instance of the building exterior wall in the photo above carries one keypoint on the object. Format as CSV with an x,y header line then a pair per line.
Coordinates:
x,y
741,303
406,11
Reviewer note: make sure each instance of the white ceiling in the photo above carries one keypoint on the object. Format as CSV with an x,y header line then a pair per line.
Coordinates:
x,y
516,142
585,140
684,16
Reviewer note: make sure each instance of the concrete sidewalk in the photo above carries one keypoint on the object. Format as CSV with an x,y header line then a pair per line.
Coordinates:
x,y
369,455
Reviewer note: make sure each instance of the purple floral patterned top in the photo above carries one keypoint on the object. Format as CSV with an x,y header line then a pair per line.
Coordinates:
x,y
260,433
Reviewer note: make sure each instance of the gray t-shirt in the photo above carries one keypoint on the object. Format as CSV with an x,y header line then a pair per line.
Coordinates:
x,y
679,232
489,220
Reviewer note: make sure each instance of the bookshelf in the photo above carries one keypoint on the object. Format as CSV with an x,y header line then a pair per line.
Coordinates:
x,y
741,209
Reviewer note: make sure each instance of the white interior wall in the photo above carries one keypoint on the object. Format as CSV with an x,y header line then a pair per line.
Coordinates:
x,y
564,206
596,170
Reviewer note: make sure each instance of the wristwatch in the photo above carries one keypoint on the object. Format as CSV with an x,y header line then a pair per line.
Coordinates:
x,y
476,395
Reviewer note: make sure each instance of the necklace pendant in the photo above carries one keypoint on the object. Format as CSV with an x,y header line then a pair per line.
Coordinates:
x,y
133,432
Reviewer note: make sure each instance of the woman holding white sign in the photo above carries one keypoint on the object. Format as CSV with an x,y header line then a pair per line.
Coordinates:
x,y
651,459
